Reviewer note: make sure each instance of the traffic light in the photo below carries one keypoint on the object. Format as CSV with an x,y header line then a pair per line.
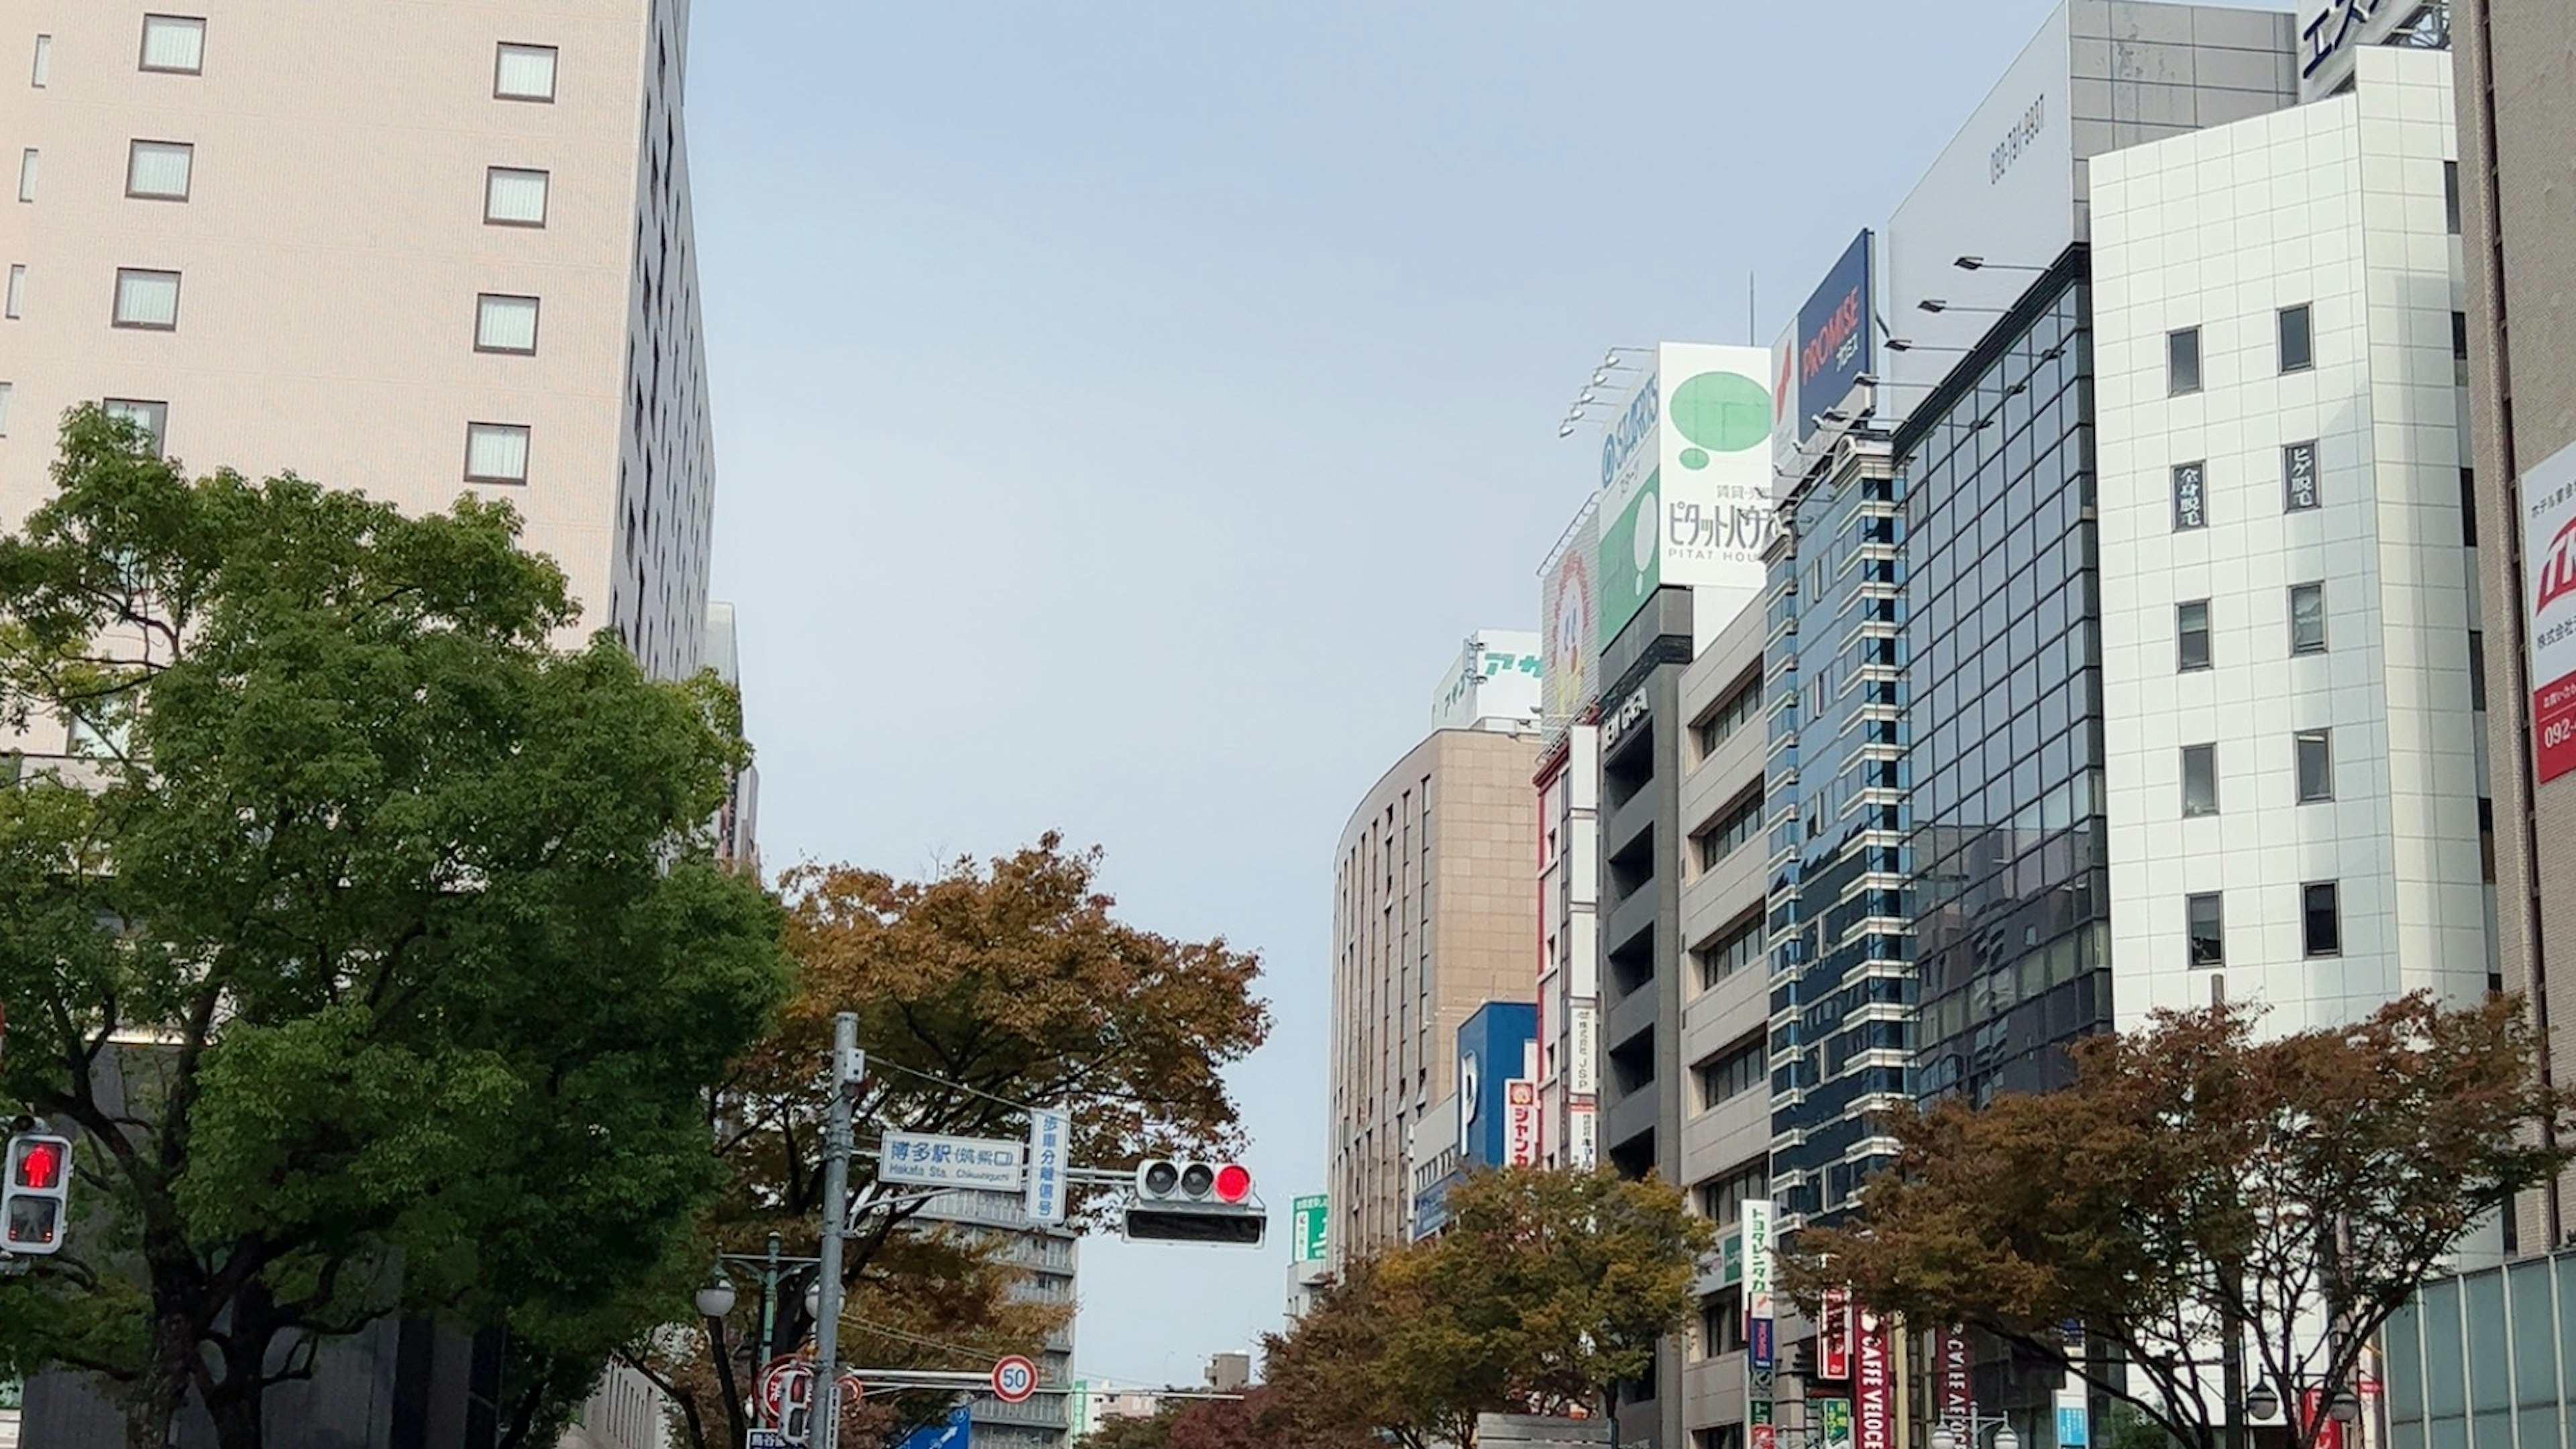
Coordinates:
x,y
33,1199
1195,1202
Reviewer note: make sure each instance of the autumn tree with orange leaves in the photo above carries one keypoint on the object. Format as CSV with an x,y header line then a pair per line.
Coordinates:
x,y
2198,1184
990,987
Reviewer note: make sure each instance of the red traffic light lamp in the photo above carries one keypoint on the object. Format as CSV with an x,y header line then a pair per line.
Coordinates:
x,y
1195,1202
1233,1182
33,1197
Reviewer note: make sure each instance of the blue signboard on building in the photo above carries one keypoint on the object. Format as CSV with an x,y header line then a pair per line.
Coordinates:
x,y
1491,1046
1837,335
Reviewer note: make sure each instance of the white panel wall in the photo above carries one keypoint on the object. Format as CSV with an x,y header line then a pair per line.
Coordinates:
x,y
2338,205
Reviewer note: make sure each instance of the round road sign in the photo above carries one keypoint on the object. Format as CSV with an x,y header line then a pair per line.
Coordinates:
x,y
1014,1379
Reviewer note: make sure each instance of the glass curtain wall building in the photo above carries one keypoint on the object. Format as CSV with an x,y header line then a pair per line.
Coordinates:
x,y
2002,606
1842,994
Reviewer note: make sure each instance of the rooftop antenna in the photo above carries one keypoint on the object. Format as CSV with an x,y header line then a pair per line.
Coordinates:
x,y
1750,326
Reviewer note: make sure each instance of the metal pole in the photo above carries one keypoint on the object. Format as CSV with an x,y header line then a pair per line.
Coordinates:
x,y
836,1208
769,1309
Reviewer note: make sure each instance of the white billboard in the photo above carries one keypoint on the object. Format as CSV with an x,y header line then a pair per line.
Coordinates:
x,y
1686,482
1495,680
2549,611
1568,611
2004,190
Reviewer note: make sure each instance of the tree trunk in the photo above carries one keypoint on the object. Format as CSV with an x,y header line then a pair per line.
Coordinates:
x,y
237,1421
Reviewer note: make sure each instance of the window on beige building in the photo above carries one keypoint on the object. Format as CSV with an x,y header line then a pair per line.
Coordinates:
x,y
524,73
159,170
513,197
27,174
147,299
505,324
152,417
17,291
496,453
5,390
44,66
174,43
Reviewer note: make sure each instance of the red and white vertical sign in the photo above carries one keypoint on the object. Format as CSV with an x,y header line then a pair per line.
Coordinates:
x,y
1873,1383
1954,1379
2549,596
1520,1123
2312,1410
1834,1336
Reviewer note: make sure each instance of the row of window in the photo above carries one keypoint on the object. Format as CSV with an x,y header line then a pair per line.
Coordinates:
x,y
1732,1073
1738,826
176,45
2192,650
2314,750
2320,923
1732,951
148,300
2295,341
1741,707
494,452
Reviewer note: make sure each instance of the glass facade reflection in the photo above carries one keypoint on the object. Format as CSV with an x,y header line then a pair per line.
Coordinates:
x,y
1842,989
2009,934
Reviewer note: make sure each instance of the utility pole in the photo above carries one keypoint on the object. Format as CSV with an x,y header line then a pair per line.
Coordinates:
x,y
846,1072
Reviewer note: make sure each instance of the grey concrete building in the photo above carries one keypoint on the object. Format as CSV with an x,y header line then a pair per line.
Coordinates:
x,y
1435,902
1050,1259
1643,741
2516,94
1725,989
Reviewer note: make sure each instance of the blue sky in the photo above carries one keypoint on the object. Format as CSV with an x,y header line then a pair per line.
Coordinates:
x,y
1124,410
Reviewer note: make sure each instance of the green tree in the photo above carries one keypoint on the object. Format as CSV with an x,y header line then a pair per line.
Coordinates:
x,y
2198,1185
1545,1290
985,989
375,949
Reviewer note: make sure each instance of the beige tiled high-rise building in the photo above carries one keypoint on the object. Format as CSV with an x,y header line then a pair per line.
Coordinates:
x,y
2517,115
1435,906
412,248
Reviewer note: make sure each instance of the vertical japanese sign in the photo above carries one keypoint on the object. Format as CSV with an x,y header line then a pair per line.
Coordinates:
x,y
2312,1410
2190,496
2549,593
1520,1123
2299,477
1761,1433
1833,1336
1050,1134
1873,1382
1835,1415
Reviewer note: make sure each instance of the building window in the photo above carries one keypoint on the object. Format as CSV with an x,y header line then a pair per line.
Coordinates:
x,y
152,417
2191,636
1731,1074
496,453
513,197
2307,618
1730,952
2199,780
2190,496
2468,507
505,324
5,391
2451,196
1721,1199
44,68
1738,826
1721,1323
1740,708
2299,476
159,170
17,291
2316,765
2460,349
524,73
2321,918
2206,921
145,299
27,174
2182,362
2298,339
2477,669
174,43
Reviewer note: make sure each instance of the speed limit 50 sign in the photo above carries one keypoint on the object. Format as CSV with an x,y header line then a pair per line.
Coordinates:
x,y
1014,1379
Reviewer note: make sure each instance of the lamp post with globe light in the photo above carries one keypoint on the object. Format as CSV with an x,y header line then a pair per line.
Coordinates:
x,y
717,1297
1947,1436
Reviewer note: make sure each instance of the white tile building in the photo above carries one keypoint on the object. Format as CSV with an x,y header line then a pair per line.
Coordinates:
x,y
2295,757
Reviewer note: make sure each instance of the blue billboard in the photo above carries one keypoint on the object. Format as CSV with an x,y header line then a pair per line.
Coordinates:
x,y
1491,1046
957,1431
1837,339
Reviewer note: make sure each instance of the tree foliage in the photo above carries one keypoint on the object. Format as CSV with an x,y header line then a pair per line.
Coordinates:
x,y
1135,1431
1546,1288
983,990
2198,1182
374,948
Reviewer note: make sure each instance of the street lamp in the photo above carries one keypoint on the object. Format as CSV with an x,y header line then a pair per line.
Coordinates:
x,y
1946,1437
717,1298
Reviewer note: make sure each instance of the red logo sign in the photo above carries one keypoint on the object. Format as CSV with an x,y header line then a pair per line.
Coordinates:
x,y
1833,1336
